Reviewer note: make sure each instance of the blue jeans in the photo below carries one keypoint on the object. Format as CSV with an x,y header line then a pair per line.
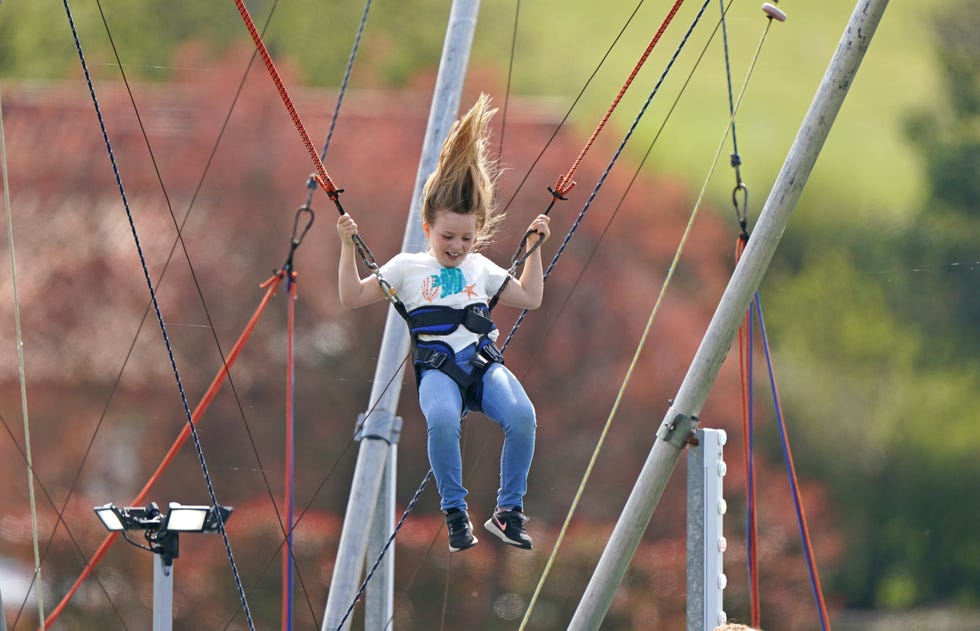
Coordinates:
x,y
505,402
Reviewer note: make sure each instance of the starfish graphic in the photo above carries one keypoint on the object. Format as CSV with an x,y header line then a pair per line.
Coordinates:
x,y
468,290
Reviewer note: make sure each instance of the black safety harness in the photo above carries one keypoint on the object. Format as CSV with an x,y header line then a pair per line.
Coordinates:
x,y
438,355
442,320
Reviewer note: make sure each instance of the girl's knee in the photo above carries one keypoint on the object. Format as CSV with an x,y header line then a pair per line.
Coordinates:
x,y
524,421
442,423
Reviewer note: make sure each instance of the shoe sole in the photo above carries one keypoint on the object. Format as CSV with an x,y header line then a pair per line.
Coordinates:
x,y
491,526
475,541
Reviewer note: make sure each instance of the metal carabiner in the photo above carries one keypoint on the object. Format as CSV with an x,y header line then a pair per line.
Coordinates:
x,y
741,211
305,209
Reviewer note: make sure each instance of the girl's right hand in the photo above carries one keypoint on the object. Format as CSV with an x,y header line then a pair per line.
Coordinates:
x,y
346,228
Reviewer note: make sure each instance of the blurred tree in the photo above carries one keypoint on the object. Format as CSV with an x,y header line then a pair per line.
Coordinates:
x,y
944,239
878,359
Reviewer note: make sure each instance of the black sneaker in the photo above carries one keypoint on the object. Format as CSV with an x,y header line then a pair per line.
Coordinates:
x,y
460,531
508,525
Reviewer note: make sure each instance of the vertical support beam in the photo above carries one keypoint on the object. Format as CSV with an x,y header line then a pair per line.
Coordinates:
x,y
3,616
681,418
375,450
706,544
163,593
380,595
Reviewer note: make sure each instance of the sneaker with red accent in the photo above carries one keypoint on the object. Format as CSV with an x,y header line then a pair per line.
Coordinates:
x,y
508,526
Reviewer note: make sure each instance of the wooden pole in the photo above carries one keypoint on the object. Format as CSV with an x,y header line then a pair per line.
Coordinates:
x,y
681,418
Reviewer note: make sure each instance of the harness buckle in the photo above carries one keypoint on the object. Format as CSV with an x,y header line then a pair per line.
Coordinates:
x,y
487,354
430,357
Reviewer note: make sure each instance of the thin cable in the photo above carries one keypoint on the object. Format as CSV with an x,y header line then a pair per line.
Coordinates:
x,y
728,69
71,536
321,172
656,308
565,182
287,558
510,75
159,314
571,108
411,579
202,406
226,363
794,483
745,348
20,366
139,329
391,539
746,379
343,91
295,243
609,167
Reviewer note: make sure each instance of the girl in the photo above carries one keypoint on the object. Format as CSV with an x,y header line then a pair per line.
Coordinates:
x,y
446,291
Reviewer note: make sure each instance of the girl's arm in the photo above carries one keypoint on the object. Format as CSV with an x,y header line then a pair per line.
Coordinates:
x,y
528,291
354,290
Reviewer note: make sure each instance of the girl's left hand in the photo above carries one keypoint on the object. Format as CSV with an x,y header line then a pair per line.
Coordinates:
x,y
540,226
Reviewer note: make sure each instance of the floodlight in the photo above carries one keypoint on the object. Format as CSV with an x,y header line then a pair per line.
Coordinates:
x,y
186,518
195,518
162,533
110,517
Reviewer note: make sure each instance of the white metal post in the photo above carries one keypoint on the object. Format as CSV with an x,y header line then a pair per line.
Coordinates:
x,y
163,593
706,543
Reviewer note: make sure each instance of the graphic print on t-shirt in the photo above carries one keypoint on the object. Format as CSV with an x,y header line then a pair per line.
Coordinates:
x,y
449,281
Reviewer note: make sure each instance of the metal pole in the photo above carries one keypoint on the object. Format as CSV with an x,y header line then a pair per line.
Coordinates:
x,y
380,598
163,592
377,430
3,616
706,543
681,418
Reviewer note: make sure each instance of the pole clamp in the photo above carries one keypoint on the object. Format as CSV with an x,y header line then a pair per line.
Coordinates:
x,y
677,428
383,426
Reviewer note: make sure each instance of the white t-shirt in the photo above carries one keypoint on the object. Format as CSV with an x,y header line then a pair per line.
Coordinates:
x,y
421,281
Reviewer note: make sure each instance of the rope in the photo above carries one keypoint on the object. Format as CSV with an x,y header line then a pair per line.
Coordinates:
x,y
321,172
510,75
320,176
605,174
287,558
20,366
568,113
794,483
516,259
384,550
71,536
565,183
745,350
156,308
311,184
202,406
227,545
668,278
745,346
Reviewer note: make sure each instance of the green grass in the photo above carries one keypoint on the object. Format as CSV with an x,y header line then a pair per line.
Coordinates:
x,y
866,167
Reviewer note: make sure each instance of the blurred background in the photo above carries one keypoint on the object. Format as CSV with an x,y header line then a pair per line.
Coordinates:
x,y
871,304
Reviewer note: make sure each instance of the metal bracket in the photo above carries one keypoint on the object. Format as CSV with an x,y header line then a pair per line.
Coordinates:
x,y
383,426
677,428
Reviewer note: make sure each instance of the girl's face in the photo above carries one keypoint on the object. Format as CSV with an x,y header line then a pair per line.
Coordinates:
x,y
451,237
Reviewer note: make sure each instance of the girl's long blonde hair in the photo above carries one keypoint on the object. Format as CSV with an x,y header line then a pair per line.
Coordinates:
x,y
463,181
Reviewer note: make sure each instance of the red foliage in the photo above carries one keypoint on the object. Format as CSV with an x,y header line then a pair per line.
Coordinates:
x,y
83,296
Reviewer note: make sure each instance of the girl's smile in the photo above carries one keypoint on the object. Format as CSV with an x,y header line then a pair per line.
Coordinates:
x,y
451,237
